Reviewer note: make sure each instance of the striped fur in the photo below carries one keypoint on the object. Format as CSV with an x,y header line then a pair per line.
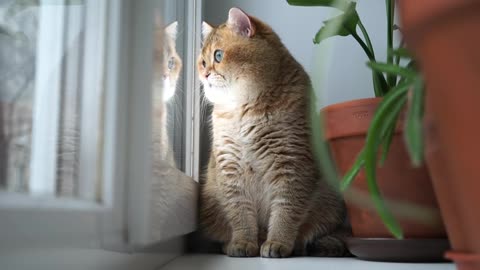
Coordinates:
x,y
263,193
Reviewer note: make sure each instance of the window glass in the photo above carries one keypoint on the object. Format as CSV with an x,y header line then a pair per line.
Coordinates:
x,y
168,86
47,84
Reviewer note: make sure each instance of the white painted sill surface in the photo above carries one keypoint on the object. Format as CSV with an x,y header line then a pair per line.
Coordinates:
x,y
220,262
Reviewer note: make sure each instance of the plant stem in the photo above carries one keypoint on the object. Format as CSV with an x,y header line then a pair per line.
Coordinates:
x,y
364,46
376,84
366,36
398,58
378,79
380,85
390,17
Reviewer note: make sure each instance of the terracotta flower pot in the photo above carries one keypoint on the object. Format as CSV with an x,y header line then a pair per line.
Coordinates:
x,y
444,36
346,126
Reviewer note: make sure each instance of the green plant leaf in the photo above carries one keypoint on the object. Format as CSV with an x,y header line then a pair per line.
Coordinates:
x,y
392,69
387,141
377,88
390,123
379,79
390,6
413,126
401,52
345,25
341,25
353,172
383,113
388,129
339,4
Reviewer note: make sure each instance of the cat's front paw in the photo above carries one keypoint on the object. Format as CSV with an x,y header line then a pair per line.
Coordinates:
x,y
241,248
273,249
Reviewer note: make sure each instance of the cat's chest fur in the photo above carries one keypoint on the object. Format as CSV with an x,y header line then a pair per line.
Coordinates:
x,y
239,139
242,136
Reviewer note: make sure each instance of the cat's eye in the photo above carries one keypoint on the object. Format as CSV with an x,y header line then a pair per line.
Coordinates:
x,y
218,55
204,64
171,63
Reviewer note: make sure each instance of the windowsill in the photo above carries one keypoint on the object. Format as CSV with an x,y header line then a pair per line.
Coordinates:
x,y
212,262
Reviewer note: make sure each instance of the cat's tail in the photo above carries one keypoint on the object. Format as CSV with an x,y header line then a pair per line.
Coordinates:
x,y
331,245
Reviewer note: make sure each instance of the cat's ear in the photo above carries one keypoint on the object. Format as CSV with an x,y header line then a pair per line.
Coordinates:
x,y
158,20
239,22
171,30
206,29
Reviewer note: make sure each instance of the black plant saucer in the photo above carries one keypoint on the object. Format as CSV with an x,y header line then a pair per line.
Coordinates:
x,y
393,250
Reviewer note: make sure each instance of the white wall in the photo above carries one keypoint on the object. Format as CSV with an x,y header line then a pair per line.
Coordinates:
x,y
345,75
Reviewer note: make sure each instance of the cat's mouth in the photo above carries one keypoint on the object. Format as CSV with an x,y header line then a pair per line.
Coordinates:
x,y
216,85
216,81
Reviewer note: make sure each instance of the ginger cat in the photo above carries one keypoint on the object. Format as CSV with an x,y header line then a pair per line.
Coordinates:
x,y
263,194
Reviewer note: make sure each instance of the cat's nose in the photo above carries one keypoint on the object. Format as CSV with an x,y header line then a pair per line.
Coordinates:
x,y
207,74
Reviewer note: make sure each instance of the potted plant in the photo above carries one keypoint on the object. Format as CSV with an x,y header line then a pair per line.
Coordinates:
x,y
448,29
366,139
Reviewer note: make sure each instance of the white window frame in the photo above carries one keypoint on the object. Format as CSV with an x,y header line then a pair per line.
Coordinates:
x,y
123,219
194,22
95,46
180,205
46,108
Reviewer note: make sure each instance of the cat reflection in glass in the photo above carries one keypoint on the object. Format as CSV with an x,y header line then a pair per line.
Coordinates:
x,y
16,126
167,68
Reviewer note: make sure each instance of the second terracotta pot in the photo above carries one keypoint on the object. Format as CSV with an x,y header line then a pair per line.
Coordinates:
x,y
444,35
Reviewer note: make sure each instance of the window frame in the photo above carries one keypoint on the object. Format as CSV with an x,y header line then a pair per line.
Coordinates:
x,y
93,87
193,47
47,96
120,221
